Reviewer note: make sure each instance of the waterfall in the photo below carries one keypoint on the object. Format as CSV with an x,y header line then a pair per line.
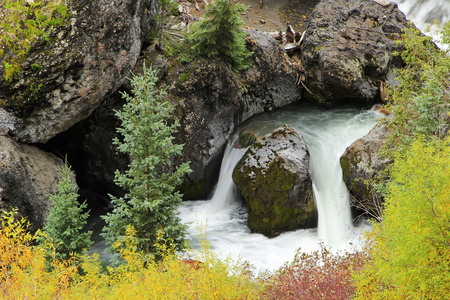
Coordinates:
x,y
424,13
335,226
327,134
225,194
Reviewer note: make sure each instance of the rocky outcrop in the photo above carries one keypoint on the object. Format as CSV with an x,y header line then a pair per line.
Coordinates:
x,y
362,166
63,81
348,50
211,102
270,82
274,181
28,176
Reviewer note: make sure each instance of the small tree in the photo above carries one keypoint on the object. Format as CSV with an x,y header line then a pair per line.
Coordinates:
x,y
219,33
150,202
66,220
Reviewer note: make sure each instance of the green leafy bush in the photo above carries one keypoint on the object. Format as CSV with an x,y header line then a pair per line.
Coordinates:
x,y
421,101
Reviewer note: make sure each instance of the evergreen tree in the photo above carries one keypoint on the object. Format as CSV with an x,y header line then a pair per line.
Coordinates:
x,y
219,33
149,204
66,220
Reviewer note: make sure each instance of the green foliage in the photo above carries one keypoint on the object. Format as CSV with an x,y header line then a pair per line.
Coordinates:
x,y
410,255
149,204
65,221
421,101
23,24
220,34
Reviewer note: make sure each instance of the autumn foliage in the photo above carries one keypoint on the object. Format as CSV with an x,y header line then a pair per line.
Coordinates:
x,y
23,274
317,275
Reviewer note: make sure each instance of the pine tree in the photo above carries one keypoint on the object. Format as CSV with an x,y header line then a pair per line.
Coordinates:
x,y
219,33
66,220
150,201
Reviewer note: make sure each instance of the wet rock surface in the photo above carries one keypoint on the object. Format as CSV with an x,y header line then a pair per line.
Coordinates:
x,y
362,166
274,181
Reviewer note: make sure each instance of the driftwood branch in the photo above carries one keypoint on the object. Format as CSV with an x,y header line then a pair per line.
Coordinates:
x,y
382,2
174,34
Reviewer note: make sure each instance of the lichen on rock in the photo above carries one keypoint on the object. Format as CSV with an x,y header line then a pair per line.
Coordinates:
x,y
273,177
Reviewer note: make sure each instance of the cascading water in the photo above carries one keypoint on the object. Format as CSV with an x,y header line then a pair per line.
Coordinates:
x,y
225,194
425,13
327,134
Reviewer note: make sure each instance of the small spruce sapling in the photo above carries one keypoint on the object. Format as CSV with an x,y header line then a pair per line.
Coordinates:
x,y
66,219
219,33
150,202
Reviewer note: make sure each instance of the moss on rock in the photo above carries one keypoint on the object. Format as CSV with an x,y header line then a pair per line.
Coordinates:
x,y
274,181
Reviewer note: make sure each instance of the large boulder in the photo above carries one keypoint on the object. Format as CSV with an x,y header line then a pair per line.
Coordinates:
x,y
363,165
28,176
64,78
270,82
274,181
348,50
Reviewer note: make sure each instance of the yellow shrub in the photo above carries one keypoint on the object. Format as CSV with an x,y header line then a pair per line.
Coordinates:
x,y
24,275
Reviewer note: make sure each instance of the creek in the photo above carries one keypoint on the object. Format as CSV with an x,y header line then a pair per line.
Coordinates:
x,y
327,132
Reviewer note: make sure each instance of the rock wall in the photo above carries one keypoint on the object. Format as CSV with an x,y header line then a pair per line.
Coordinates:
x,y
362,166
212,101
90,57
348,50
28,176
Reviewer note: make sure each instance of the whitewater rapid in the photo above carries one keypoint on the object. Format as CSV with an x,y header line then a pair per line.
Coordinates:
x,y
327,133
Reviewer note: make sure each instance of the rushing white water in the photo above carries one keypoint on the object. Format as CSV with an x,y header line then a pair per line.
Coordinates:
x,y
428,16
425,12
327,134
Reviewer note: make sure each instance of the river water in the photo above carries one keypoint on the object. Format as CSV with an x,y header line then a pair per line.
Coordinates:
x,y
327,132
428,16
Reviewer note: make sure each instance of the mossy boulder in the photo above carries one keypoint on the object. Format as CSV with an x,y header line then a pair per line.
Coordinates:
x,y
362,167
59,80
274,181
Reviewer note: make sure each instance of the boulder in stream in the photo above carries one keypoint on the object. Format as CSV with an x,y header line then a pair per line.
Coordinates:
x,y
274,181
362,166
